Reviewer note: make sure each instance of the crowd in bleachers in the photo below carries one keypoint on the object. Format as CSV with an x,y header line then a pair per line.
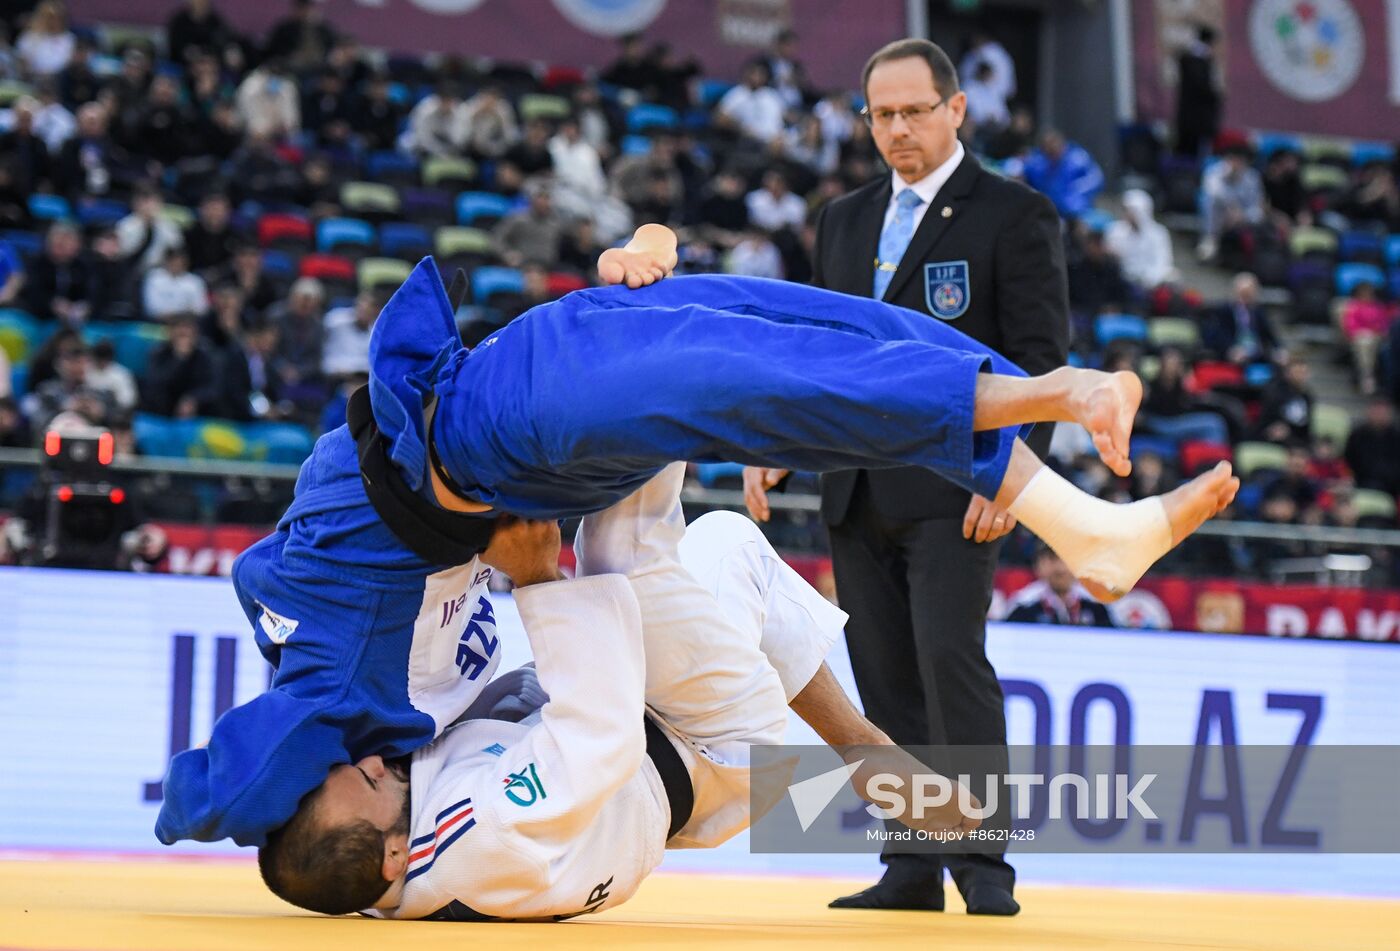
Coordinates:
x,y
198,228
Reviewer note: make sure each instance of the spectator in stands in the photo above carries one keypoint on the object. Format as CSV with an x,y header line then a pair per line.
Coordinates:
x,y
346,349
1327,468
375,117
1283,186
182,379
127,90
210,240
246,273
1233,199
196,29
662,198
1198,94
1295,481
632,175
805,144
755,255
43,364
986,104
1286,413
11,282
14,429
301,336
10,66
52,121
67,390
754,109
724,210
25,152
490,122
1169,409
532,234
107,376
91,163
789,75
1279,509
984,49
1150,476
171,288
1366,321
438,125
109,277
146,234
1142,245
1374,198
57,286
1055,597
632,69
577,165
163,126
303,39
267,101
674,75
1065,172
257,172
774,207
263,367
219,132
206,85
223,332
1096,282
531,154
580,247
78,83
14,199
593,120
1014,141
326,108
1373,449
46,46
1240,330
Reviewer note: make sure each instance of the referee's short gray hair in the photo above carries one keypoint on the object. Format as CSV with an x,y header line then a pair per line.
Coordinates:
x,y
945,77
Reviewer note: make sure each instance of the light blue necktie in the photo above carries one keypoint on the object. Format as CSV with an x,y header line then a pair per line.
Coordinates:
x,y
895,239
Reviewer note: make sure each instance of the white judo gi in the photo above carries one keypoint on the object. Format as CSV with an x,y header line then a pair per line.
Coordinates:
x,y
563,813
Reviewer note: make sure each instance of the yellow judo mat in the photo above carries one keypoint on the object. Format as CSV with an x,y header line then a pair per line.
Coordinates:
x,y
142,905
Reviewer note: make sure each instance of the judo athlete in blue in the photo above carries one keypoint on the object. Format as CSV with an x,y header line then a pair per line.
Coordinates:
x,y
567,410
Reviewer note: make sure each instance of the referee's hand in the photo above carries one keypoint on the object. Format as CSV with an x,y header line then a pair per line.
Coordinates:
x,y
757,481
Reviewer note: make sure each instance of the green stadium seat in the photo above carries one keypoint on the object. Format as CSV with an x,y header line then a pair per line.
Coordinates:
x,y
452,241
374,272
1252,457
543,106
1332,422
1174,332
369,198
449,172
1373,503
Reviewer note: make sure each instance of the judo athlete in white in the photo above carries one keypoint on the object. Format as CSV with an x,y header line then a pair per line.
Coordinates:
x,y
705,632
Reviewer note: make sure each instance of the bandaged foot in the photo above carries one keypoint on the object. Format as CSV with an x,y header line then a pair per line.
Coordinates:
x,y
647,258
1105,404
1107,546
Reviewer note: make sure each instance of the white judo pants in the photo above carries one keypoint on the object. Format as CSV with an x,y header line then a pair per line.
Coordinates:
x,y
731,634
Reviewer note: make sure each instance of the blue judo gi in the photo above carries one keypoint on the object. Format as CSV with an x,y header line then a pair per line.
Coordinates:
x,y
565,411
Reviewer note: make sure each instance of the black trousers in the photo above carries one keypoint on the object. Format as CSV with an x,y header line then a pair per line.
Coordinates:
x,y
918,593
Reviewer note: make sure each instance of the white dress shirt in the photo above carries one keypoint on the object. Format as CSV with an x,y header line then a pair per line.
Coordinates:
x,y
926,188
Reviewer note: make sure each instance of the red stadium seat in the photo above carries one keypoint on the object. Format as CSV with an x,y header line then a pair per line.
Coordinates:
x,y
1198,456
1208,375
561,284
556,77
328,267
278,229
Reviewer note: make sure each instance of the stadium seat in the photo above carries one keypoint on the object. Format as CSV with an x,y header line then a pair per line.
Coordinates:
x,y
160,436
374,272
562,77
1332,422
1392,250
1347,276
1373,503
636,145
560,284
133,342
1268,143
14,344
1111,327
453,242
1313,242
22,332
1210,374
427,206
1160,446
404,240
489,281
1392,284
482,208
27,244
279,265
648,115
1258,375
1149,367
392,168
1096,220
348,236
178,215
1252,457
1365,247
278,443
47,207
1181,180
216,439
1197,456
1364,153
543,106
97,212
451,173
371,200
284,232
1329,152
1174,332
1324,180
712,91
337,273
12,89
19,379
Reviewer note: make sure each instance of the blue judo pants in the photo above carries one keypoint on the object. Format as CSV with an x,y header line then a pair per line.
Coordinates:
x,y
577,403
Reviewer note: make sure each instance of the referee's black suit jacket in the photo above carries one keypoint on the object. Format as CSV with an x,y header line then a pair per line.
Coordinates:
x,y
1009,237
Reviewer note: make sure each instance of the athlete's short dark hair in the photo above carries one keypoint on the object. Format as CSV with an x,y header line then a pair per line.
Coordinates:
x,y
945,77
336,870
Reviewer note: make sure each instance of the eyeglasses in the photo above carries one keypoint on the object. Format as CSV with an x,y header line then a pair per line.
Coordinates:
x,y
912,115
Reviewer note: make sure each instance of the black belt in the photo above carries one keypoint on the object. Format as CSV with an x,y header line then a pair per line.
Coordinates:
x,y
674,776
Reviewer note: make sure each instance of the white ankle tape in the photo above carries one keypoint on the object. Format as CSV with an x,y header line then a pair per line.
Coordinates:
x,y
1111,545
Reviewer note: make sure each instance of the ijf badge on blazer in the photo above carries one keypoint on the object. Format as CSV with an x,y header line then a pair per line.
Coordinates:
x,y
946,289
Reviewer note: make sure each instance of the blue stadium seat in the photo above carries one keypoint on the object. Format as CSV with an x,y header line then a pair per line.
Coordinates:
x,y
713,90
1364,246
490,280
333,234
1160,446
1096,220
101,211
279,265
636,145
49,207
1258,374
400,239
710,473
1364,153
160,436
22,332
427,205
26,244
392,167
1270,142
649,115
279,443
1111,327
1393,283
133,342
473,206
19,379
1392,250
1347,276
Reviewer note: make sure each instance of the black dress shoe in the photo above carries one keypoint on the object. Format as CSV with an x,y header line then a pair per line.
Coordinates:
x,y
986,899
898,890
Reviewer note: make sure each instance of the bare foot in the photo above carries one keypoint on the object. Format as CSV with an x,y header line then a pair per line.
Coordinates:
x,y
647,258
1187,507
1105,404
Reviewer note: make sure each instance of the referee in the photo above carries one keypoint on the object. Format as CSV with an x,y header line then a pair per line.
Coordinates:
x,y
915,556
